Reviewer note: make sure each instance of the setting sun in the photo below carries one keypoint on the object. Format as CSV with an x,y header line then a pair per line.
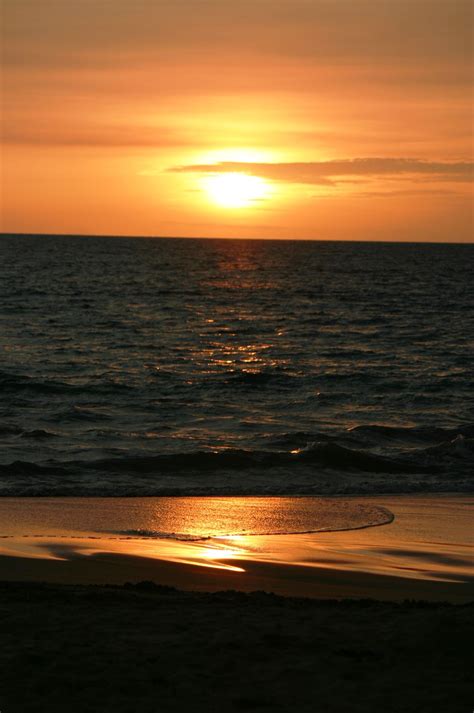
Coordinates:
x,y
235,190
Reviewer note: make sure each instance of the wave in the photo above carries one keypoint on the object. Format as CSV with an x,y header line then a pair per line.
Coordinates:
x,y
378,516
38,433
325,455
416,434
14,383
10,429
21,382
80,413
141,534
321,467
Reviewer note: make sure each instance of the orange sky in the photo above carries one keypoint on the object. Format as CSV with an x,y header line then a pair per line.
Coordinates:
x,y
123,116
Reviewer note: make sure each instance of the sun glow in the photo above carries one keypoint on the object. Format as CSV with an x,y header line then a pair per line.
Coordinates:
x,y
235,190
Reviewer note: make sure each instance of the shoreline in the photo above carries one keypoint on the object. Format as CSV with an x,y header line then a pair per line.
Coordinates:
x,y
423,553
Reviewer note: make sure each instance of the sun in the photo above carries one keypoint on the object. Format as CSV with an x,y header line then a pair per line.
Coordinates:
x,y
235,190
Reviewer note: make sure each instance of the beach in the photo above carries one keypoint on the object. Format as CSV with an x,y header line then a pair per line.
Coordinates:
x,y
86,648
424,550
217,499
371,618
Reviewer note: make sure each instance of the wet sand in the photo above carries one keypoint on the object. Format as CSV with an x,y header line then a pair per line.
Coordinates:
x,y
424,553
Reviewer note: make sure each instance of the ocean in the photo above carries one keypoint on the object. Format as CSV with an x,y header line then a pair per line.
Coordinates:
x,y
136,367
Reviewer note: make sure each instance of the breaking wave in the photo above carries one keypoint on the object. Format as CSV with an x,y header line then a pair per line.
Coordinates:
x,y
416,459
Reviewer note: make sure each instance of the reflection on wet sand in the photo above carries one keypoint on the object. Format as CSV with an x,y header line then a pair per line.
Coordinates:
x,y
425,542
187,518
62,547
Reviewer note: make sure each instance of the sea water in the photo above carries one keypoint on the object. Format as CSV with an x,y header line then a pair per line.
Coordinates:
x,y
186,366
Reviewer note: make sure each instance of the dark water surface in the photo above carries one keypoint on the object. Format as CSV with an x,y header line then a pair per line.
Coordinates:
x,y
135,367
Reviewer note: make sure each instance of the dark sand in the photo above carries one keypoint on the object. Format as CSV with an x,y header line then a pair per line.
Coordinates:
x,y
84,648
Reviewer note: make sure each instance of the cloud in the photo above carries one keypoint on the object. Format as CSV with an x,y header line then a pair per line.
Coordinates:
x,y
409,193
42,133
48,33
327,172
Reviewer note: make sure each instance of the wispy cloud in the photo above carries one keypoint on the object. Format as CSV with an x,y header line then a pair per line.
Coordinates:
x,y
327,172
410,193
101,135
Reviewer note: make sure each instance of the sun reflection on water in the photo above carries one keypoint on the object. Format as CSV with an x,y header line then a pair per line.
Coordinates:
x,y
414,546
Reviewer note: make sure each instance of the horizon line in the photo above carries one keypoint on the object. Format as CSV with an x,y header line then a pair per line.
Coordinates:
x,y
203,237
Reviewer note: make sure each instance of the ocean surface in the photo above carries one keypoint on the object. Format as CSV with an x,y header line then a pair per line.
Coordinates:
x,y
177,367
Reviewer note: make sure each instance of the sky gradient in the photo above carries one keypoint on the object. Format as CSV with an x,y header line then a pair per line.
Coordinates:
x,y
121,117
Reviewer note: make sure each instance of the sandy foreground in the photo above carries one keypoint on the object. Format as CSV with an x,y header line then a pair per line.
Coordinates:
x,y
70,645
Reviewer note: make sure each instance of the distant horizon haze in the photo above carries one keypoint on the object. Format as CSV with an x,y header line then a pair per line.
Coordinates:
x,y
224,237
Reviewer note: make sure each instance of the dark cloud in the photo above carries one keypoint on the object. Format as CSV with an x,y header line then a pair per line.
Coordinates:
x,y
327,172
330,30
